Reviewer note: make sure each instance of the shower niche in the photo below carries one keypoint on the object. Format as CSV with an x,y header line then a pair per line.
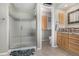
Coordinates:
x,y
22,25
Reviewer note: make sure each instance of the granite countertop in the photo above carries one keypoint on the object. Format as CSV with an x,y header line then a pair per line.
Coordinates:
x,y
69,30
70,33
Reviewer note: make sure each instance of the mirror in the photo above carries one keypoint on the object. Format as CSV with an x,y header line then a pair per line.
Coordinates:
x,y
73,17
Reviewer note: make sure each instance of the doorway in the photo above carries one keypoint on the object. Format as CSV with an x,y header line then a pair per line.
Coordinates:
x,y
46,24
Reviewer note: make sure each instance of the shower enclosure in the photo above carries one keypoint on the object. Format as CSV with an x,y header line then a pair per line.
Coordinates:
x,y
22,25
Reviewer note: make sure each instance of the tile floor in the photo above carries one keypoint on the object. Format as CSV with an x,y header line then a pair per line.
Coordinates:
x,y
47,50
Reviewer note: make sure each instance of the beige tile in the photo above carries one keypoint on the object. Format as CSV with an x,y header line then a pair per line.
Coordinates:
x,y
47,50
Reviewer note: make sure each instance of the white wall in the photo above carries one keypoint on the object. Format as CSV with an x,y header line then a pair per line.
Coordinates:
x,y
53,24
39,27
4,27
45,35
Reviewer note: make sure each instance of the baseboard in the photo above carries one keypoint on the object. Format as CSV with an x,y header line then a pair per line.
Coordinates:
x,y
4,53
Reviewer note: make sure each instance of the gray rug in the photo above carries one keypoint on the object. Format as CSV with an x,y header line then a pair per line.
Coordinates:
x,y
27,52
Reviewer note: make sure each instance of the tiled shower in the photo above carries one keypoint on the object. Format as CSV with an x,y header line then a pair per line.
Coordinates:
x,y
22,25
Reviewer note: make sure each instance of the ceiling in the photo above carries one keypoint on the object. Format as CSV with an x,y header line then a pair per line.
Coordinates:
x,y
64,6
24,6
22,11
46,9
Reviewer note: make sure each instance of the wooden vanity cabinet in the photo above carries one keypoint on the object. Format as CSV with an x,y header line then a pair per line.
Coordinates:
x,y
69,42
74,43
62,40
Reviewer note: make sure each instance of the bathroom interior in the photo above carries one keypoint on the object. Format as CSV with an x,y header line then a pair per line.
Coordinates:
x,y
43,27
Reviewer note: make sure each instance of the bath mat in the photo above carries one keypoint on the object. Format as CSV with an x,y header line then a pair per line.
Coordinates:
x,y
27,52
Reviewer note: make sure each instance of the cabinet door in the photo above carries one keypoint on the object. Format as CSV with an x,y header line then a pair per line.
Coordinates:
x,y
59,39
74,43
65,41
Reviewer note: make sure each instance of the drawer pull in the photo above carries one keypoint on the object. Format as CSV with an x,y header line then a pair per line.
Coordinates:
x,y
74,38
75,43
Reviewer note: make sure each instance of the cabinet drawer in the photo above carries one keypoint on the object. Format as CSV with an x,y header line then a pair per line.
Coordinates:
x,y
74,47
74,36
74,40
59,41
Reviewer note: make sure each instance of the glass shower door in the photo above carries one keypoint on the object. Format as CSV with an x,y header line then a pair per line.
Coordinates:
x,y
28,38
